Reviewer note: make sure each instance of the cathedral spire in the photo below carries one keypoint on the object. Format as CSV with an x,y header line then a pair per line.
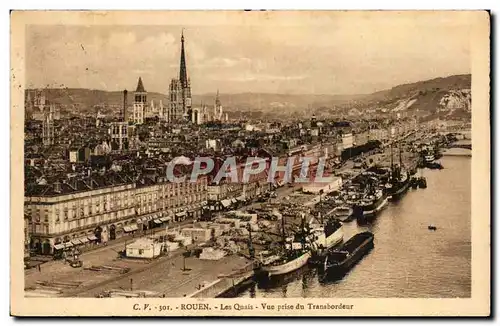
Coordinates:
x,y
183,72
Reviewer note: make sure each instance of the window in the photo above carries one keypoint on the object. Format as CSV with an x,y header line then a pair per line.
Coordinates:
x,y
141,251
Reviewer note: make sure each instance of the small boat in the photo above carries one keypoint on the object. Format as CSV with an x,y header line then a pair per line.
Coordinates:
x,y
340,261
422,182
434,166
432,228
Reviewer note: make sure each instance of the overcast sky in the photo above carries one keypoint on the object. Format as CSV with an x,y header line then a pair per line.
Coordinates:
x,y
339,55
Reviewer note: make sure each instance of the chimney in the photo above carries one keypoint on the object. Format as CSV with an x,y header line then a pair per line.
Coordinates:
x,y
125,118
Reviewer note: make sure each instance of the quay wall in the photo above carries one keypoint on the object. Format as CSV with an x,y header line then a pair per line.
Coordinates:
x,y
224,284
457,152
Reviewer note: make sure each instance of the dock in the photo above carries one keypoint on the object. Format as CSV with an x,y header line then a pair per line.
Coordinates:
x,y
227,285
457,152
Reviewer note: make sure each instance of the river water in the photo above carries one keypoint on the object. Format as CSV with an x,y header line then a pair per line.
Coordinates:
x,y
408,260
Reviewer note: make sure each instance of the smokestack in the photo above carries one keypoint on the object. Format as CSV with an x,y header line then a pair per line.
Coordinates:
x,y
125,117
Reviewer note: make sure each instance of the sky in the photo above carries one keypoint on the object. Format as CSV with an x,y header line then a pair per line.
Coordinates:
x,y
332,54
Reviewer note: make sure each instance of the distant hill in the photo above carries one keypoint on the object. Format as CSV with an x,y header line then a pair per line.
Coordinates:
x,y
449,96
423,97
87,99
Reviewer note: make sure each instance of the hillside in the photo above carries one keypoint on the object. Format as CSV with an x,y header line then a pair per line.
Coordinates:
x,y
439,96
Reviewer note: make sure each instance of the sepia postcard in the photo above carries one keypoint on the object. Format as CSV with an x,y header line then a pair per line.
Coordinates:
x,y
250,163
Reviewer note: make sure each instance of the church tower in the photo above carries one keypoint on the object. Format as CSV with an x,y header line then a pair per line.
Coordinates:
x,y
140,103
48,128
218,108
175,105
185,83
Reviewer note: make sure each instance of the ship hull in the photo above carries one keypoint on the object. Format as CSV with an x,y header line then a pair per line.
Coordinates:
x,y
400,191
375,208
340,268
287,267
332,240
318,256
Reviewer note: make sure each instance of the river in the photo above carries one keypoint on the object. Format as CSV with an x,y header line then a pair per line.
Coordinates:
x,y
408,260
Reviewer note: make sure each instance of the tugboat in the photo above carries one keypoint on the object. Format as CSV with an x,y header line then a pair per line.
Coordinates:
x,y
339,261
429,157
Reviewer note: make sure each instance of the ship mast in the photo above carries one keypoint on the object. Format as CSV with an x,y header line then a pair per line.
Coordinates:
x,y
400,158
251,249
283,231
399,144
392,157
303,231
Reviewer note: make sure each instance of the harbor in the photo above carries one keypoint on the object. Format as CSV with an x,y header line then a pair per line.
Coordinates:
x,y
291,234
408,260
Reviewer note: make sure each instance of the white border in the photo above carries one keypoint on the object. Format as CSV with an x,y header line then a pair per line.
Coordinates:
x,y
185,4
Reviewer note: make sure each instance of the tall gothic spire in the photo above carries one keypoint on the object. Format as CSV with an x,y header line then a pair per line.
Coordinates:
x,y
183,72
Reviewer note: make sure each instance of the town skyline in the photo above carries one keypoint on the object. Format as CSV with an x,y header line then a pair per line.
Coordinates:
x,y
284,59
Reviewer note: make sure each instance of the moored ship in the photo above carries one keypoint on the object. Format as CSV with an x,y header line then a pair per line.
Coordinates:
x,y
372,203
295,253
291,261
326,236
333,235
399,181
399,184
343,213
339,261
